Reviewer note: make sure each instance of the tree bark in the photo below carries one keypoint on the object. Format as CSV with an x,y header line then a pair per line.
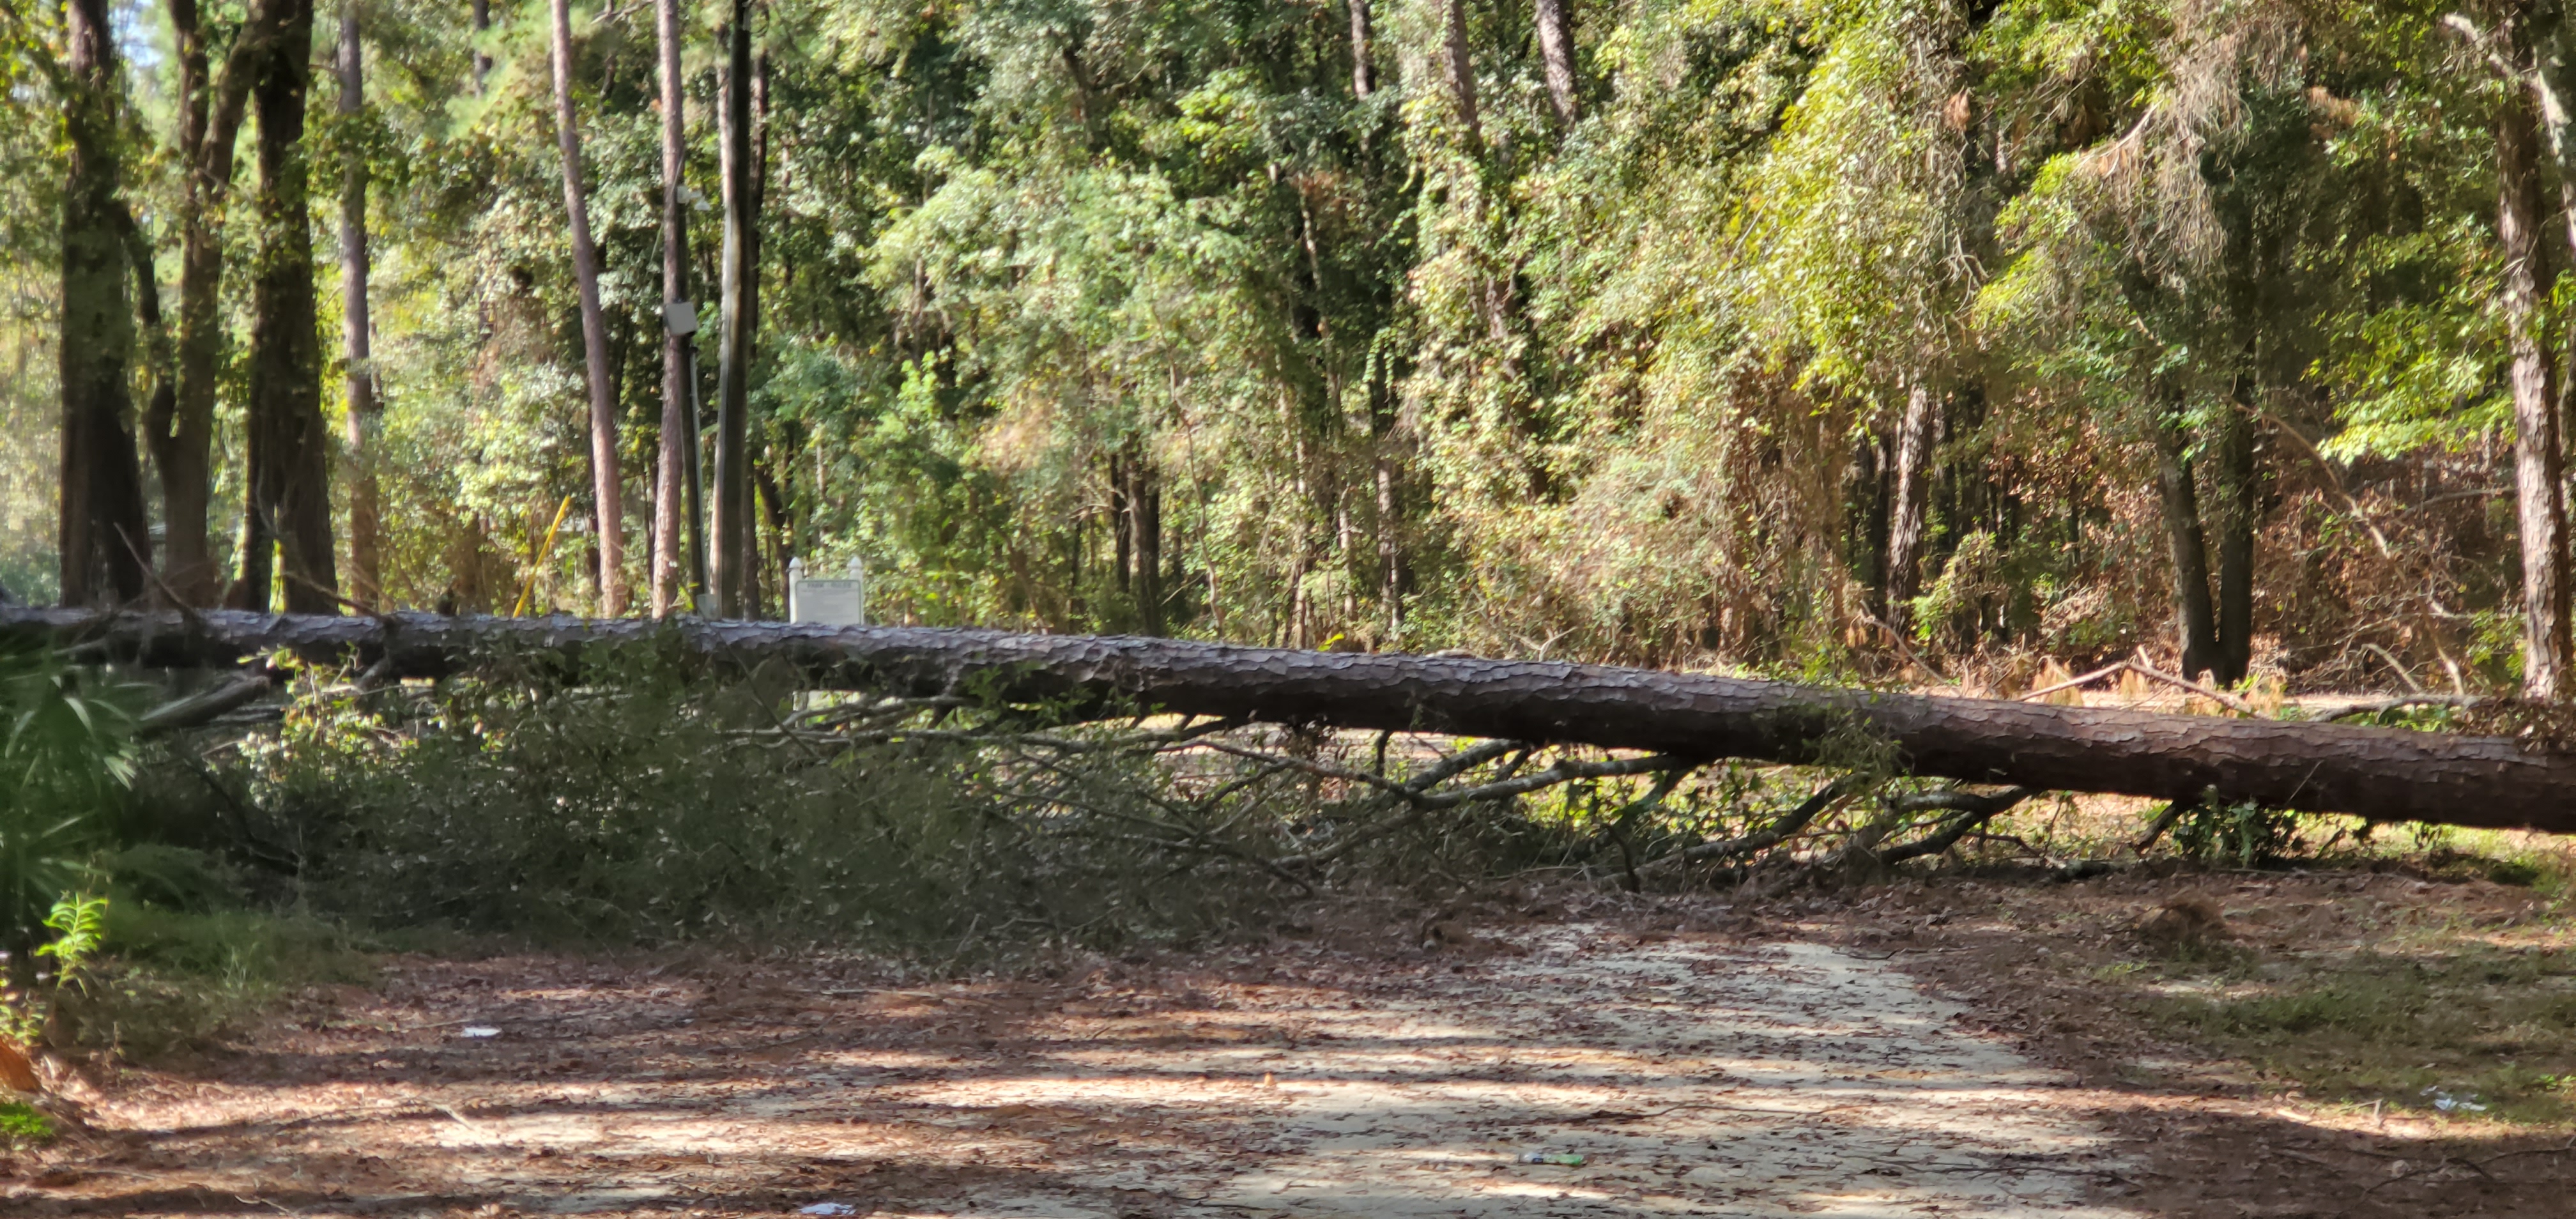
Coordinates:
x,y
2239,502
157,357
210,110
679,416
2382,773
607,487
289,445
774,510
482,25
2537,459
1461,69
1363,76
1121,538
1390,553
1913,491
1556,56
366,561
730,521
1144,539
104,541
2195,617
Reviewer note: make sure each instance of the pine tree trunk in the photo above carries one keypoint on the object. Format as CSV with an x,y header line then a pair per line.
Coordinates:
x,y
1144,539
1556,57
105,543
366,560
730,520
2239,502
1913,492
2385,774
1390,552
482,25
679,414
1461,69
2187,542
2537,461
1363,76
1121,536
289,445
607,486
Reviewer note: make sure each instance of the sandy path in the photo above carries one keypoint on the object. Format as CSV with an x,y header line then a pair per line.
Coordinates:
x,y
1693,1079
1693,1076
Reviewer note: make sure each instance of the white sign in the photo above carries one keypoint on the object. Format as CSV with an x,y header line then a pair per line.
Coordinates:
x,y
828,602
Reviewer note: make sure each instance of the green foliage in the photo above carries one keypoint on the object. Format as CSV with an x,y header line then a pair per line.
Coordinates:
x,y
64,759
22,1124
171,979
2471,1021
1623,388
652,807
78,922
2243,833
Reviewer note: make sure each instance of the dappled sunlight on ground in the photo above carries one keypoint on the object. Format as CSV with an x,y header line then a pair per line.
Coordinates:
x,y
1702,1057
1692,1075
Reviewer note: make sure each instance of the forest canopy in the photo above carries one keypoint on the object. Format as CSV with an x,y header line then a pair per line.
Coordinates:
x,y
1786,334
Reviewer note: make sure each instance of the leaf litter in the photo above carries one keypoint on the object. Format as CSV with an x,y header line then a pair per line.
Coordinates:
x,y
1667,1057
1657,1074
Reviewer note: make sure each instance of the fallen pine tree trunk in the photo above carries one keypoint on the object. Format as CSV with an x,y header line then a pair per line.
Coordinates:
x,y
2379,773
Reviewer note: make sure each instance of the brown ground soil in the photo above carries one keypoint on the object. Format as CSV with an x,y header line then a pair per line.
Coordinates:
x,y
1708,1057
2270,1121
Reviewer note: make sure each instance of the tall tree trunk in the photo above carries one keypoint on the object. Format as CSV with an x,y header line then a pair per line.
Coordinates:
x,y
2187,542
1144,538
180,433
606,483
730,521
679,414
105,540
1121,536
289,445
775,511
693,492
482,25
2553,94
2238,503
2538,499
1913,492
1390,554
1363,76
210,111
1556,56
157,358
366,560
1460,67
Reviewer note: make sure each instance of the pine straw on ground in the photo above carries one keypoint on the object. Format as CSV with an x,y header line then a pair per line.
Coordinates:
x,y
2292,1060
2287,1065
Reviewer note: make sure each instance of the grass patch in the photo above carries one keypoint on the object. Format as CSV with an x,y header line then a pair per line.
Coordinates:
x,y
2489,1028
2390,984
23,1125
178,979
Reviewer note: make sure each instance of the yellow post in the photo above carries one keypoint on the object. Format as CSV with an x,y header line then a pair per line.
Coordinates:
x,y
528,587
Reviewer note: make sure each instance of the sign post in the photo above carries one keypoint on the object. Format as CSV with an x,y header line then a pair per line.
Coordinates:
x,y
842,602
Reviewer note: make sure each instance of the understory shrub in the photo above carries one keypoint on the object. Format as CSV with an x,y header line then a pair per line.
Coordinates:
x,y
649,807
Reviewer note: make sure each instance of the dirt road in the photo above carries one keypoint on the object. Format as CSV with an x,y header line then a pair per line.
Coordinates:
x,y
1692,1075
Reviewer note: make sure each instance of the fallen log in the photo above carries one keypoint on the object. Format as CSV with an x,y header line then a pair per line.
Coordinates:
x,y
2380,773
